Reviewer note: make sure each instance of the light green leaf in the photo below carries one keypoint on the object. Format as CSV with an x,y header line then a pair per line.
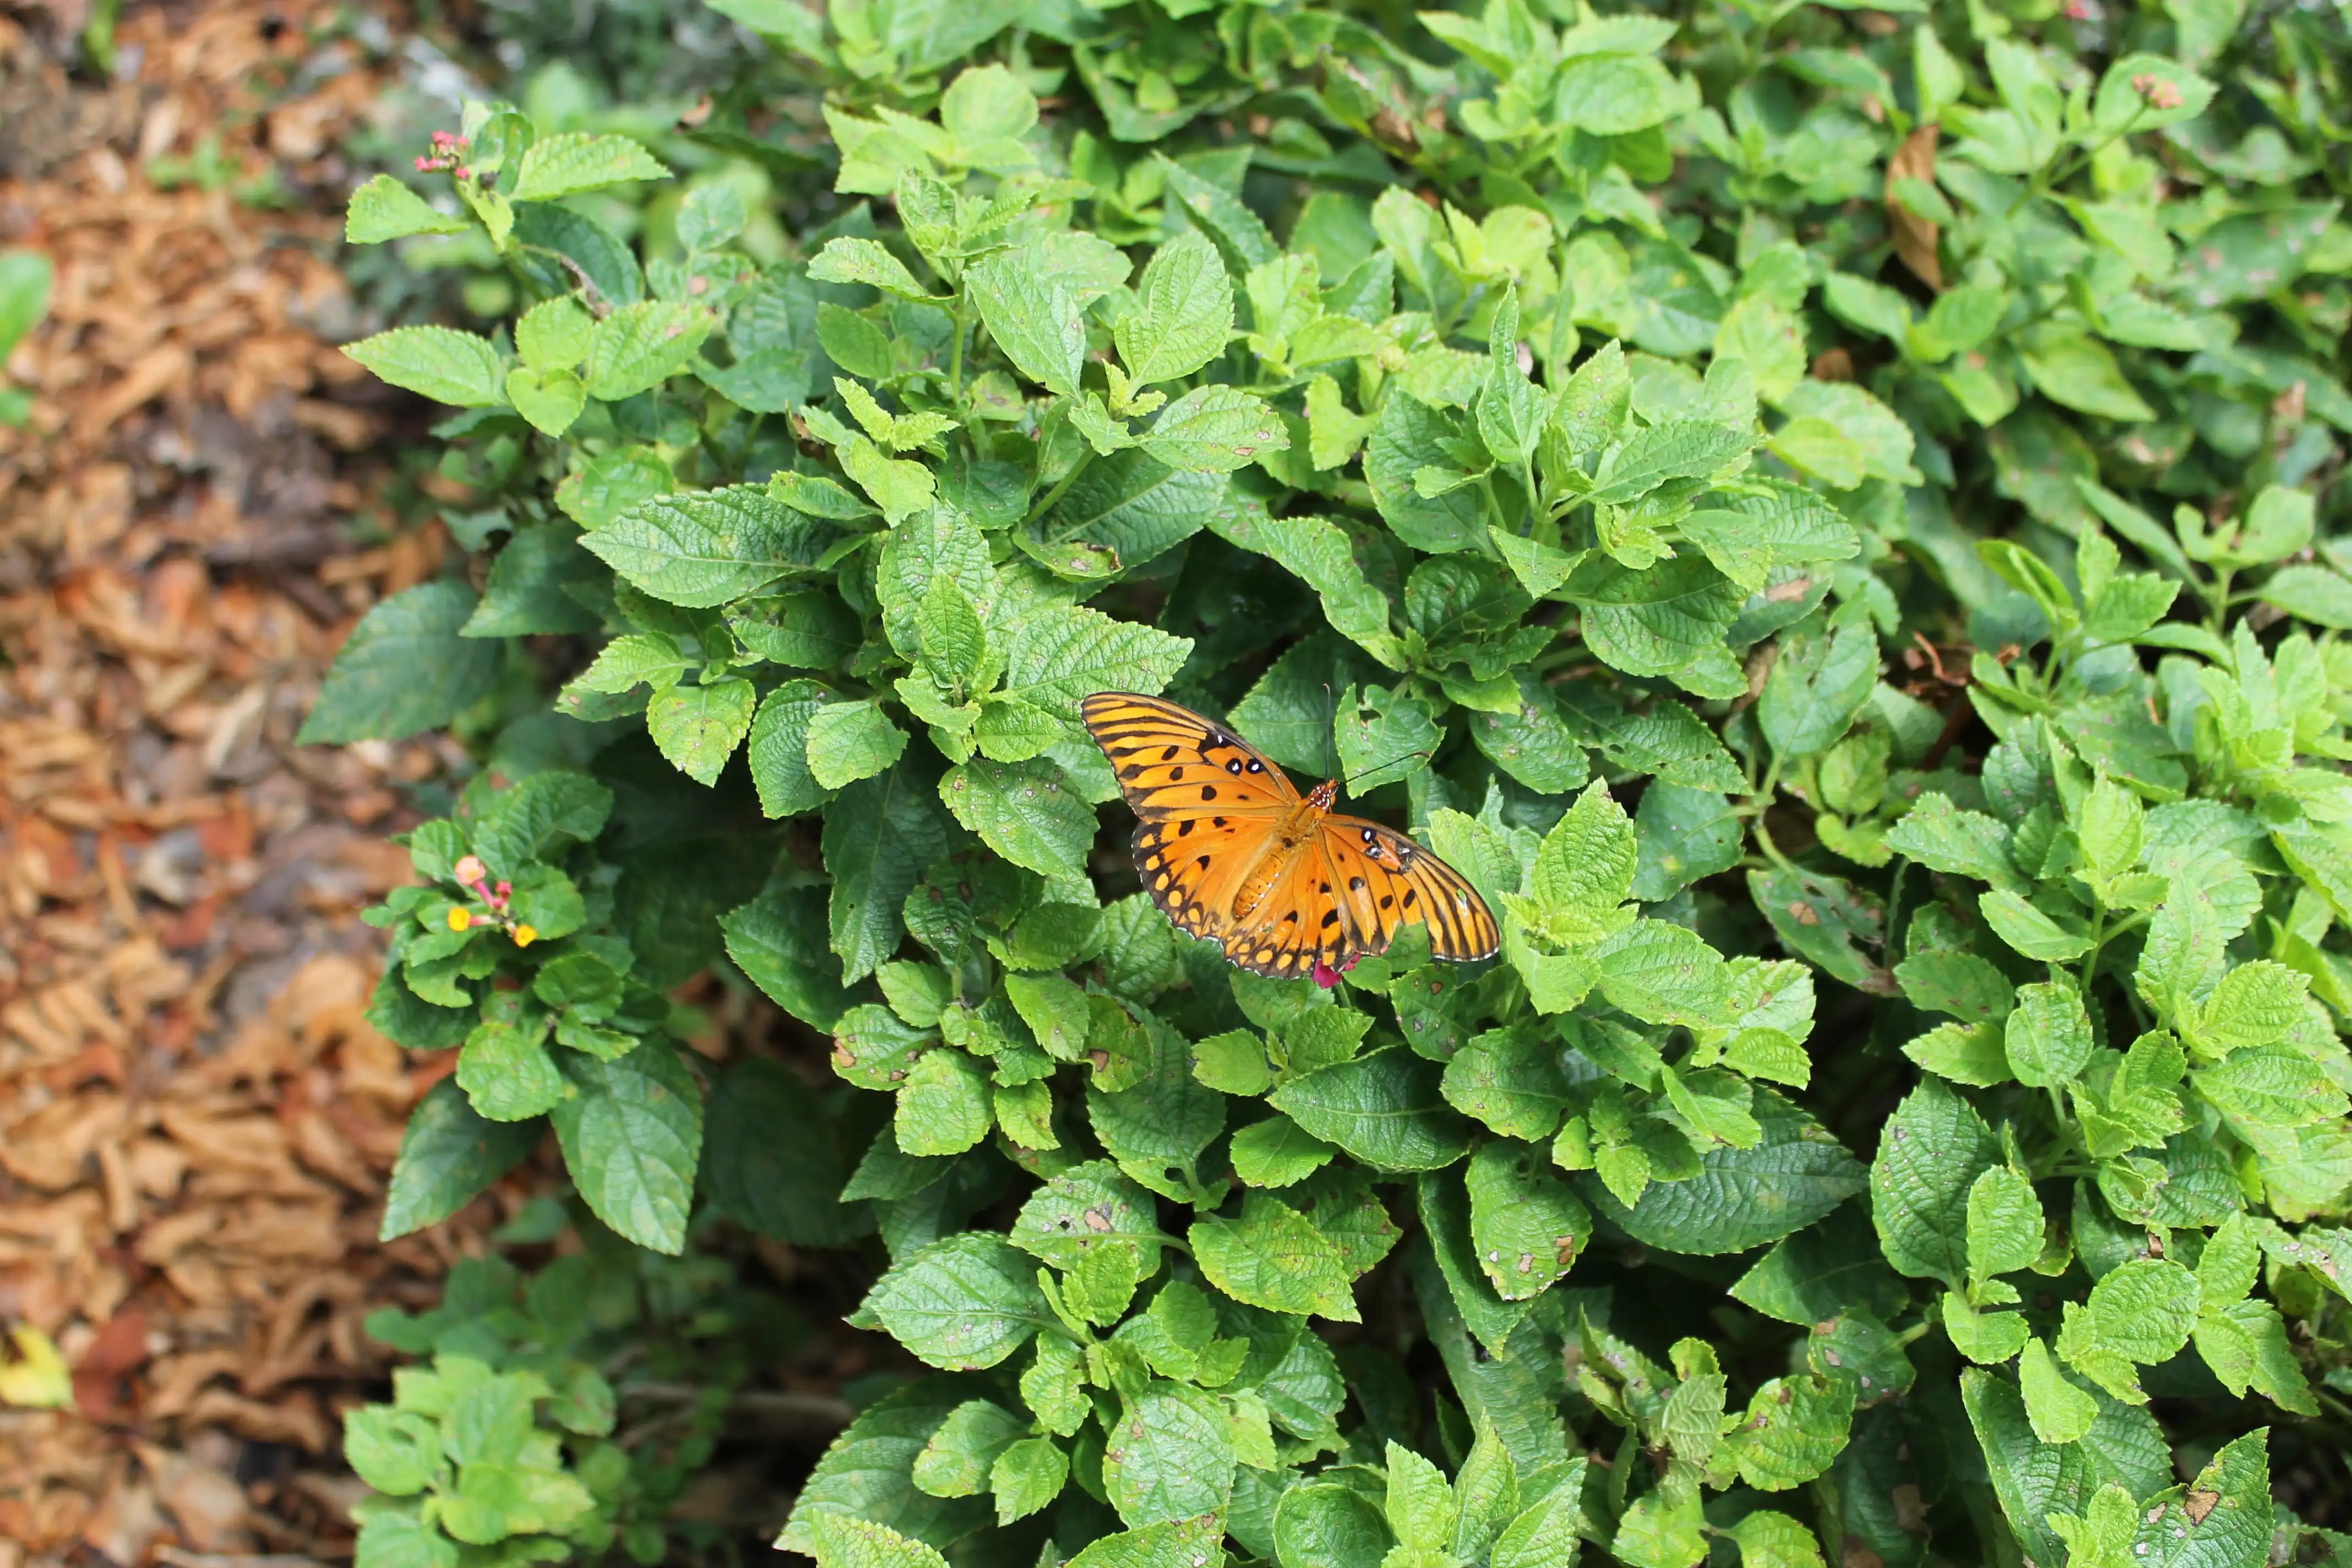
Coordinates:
x,y
963,1303
574,162
1183,315
1275,1258
457,368
1027,812
632,1136
384,209
1385,1108
707,547
638,347
851,741
698,728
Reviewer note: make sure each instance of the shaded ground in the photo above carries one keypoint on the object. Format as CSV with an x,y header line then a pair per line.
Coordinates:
x,y
194,1120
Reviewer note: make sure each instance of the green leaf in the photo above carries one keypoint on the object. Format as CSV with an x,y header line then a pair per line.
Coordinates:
x,y
708,547
25,280
866,1473
457,368
698,728
1943,837
1793,1429
507,1072
2030,932
550,399
842,1541
1525,1225
1056,659
850,258
1411,436
405,668
1510,1079
1323,1522
2269,1086
638,347
1769,1539
1816,688
2141,1311
1170,1457
1183,314
1027,1476
383,209
1027,812
2060,1411
1968,987
2312,593
2004,1225
1323,555
574,162
1089,1206
851,741
1795,1173
632,1136
1663,620
1612,94
449,1155
1663,973
1154,1546
1240,236
1277,1153
1037,316
943,1106
1385,1108
1929,1157
1818,1272
1215,429
2073,368
963,1303
1157,1126
880,835
394,1451
779,749
1583,872
1274,1257
2048,1037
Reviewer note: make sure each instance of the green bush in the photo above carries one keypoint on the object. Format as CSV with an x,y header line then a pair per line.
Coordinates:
x,y
1682,466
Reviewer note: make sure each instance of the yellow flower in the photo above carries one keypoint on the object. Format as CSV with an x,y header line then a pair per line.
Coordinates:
x,y
525,935
460,917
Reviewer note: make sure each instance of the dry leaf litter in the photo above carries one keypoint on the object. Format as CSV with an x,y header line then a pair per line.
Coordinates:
x,y
195,1120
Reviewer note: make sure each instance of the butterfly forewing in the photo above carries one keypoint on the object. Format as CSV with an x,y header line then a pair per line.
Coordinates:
x,y
1170,761
1384,880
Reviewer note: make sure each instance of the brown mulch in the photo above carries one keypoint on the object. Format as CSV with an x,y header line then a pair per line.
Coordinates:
x,y
195,1120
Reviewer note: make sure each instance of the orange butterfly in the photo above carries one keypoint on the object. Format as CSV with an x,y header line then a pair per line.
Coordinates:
x,y
1229,849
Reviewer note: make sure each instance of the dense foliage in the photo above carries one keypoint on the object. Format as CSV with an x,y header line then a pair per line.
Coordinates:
x,y
1827,517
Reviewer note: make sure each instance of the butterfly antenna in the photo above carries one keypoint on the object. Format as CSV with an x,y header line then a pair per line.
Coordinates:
x,y
1376,767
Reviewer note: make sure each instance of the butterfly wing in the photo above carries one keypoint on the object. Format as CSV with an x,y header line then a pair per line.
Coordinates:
x,y
1193,866
1172,763
1299,925
1382,879
1207,803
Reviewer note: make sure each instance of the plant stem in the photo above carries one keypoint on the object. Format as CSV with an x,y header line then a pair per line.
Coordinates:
x,y
1085,455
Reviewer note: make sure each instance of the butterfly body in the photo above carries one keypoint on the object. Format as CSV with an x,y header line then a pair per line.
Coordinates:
x,y
1230,850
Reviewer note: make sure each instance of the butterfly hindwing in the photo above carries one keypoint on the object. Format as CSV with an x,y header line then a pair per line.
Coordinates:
x,y
1384,880
1297,926
1170,761
1188,864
